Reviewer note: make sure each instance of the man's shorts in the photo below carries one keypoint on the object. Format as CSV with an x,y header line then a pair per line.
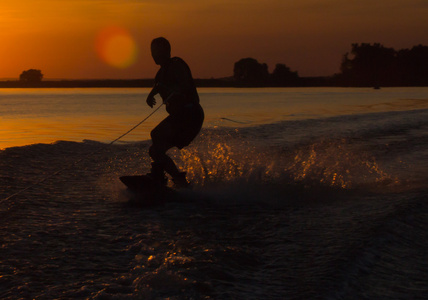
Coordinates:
x,y
179,130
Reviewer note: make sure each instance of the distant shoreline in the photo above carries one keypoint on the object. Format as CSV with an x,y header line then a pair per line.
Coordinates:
x,y
106,83
142,83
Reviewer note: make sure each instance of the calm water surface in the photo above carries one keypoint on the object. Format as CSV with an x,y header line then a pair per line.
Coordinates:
x,y
302,193
30,116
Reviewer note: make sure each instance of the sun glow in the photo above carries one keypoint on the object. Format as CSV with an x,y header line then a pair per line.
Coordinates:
x,y
116,47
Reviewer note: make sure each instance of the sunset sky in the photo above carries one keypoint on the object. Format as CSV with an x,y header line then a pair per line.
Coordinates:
x,y
73,39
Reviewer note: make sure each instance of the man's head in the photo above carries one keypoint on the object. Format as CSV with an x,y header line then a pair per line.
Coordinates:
x,y
161,50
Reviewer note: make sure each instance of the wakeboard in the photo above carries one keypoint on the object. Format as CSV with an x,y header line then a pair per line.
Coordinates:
x,y
142,190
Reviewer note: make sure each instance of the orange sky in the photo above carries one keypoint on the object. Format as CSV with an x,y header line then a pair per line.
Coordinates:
x,y
111,38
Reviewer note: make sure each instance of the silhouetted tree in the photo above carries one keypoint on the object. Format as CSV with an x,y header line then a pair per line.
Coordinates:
x,y
283,76
371,65
377,65
413,65
249,71
31,76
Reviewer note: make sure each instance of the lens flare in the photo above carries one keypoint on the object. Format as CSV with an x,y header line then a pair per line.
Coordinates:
x,y
115,46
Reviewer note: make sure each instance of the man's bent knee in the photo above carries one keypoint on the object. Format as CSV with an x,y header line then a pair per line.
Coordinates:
x,y
155,153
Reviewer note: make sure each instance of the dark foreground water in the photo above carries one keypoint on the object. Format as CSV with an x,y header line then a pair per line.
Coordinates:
x,y
328,208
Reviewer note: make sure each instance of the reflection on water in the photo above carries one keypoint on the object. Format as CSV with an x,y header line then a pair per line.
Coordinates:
x,y
20,132
30,116
306,209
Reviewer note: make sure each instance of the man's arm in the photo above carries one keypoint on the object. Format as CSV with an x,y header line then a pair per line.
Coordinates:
x,y
151,101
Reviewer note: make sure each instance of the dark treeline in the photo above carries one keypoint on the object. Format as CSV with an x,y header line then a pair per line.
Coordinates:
x,y
371,65
106,83
366,65
376,65
249,72
84,83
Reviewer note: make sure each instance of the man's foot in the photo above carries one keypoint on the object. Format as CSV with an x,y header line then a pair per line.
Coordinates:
x,y
157,174
161,181
180,181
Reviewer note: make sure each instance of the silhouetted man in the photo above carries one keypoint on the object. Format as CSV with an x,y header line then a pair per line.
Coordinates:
x,y
174,83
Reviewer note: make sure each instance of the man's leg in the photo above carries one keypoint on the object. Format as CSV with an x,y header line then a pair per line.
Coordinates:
x,y
161,160
163,139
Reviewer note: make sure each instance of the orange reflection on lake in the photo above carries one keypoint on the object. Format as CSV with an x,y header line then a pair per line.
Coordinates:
x,y
21,132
